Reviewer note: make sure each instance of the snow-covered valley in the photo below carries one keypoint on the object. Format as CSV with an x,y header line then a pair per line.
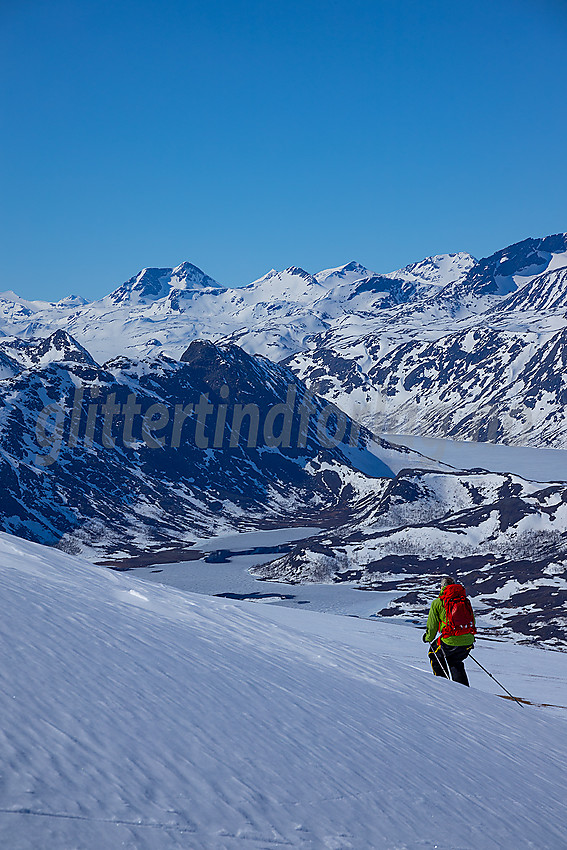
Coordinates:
x,y
142,716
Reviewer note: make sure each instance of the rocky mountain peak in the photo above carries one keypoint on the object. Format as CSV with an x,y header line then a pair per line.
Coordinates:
x,y
60,346
188,276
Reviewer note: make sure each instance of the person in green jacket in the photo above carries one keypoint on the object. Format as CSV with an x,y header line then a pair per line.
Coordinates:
x,y
447,652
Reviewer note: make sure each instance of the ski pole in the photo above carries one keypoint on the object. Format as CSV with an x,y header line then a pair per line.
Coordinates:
x,y
446,667
446,661
495,679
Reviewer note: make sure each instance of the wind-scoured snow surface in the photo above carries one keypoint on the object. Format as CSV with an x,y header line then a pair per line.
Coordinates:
x,y
138,716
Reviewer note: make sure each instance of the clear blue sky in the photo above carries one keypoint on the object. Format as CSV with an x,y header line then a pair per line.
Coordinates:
x,y
246,135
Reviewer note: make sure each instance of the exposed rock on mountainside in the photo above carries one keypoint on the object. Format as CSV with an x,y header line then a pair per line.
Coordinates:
x,y
482,359
134,455
504,537
475,384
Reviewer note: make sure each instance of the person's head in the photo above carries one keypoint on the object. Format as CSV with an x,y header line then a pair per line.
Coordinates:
x,y
445,580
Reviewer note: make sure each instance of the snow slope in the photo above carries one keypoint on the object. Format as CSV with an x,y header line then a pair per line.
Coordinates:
x,y
138,716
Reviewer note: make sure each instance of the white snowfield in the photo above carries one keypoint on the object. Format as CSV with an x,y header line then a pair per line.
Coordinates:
x,y
139,716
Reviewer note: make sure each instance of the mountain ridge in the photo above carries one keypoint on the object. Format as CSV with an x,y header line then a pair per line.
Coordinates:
x,y
340,328
137,454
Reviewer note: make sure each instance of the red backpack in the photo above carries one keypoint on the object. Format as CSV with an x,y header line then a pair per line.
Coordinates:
x,y
458,612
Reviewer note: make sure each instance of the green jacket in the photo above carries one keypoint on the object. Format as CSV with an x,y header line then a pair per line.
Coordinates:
x,y
435,622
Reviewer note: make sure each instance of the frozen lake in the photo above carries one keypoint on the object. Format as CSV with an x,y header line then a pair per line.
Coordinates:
x,y
233,579
533,464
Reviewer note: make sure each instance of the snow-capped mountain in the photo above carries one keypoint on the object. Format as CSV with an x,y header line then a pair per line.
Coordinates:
x,y
292,285
138,454
348,273
154,284
387,348
434,273
508,270
58,347
72,301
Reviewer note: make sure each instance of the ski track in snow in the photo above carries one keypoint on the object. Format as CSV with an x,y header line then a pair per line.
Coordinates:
x,y
140,716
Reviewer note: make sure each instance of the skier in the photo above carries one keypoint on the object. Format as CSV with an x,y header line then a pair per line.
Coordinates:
x,y
450,614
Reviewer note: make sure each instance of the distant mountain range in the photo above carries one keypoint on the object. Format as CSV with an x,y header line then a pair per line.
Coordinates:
x,y
448,347
165,308
481,358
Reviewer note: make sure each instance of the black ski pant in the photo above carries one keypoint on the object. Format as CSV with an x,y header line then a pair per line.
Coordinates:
x,y
442,656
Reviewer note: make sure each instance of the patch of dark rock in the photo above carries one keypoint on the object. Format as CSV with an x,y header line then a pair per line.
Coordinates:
x,y
256,595
348,575
223,556
218,556
415,565
393,611
148,559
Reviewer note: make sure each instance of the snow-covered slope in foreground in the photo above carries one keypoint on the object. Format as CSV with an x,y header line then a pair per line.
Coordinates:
x,y
138,716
